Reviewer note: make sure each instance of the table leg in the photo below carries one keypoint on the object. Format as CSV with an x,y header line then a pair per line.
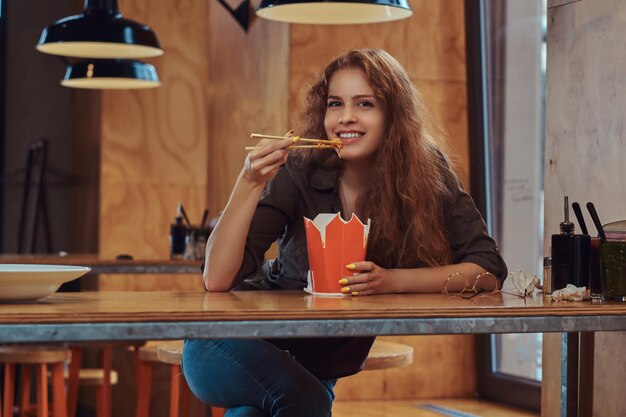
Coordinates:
x,y
569,374
577,357
585,385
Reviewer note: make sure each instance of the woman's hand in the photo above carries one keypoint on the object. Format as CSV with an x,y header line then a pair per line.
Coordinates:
x,y
262,164
368,279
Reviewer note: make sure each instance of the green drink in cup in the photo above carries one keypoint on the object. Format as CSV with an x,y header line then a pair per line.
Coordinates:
x,y
613,262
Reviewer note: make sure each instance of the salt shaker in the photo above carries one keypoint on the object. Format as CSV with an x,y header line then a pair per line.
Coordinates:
x,y
547,275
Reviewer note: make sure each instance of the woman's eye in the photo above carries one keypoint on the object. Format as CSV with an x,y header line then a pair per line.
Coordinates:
x,y
365,103
334,103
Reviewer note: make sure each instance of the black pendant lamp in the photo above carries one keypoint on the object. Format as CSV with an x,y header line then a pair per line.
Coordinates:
x,y
329,12
99,31
121,74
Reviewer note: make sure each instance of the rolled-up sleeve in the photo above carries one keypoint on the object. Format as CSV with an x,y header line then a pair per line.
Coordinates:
x,y
273,213
469,239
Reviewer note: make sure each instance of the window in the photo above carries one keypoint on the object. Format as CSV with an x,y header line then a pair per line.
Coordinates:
x,y
506,95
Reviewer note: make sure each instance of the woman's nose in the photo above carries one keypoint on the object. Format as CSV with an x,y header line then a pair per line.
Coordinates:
x,y
347,117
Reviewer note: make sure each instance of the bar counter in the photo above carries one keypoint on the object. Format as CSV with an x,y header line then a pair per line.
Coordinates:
x,y
107,265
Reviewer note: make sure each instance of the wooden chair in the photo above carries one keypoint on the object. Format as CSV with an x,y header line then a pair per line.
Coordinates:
x,y
41,357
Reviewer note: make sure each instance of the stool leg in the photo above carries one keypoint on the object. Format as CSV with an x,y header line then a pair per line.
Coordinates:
x,y
42,390
174,391
185,393
72,382
103,396
9,389
59,405
217,412
143,377
25,391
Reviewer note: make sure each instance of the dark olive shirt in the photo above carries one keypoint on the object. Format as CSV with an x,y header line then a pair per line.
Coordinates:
x,y
294,194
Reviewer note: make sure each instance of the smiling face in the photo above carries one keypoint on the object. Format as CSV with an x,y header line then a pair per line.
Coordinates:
x,y
354,114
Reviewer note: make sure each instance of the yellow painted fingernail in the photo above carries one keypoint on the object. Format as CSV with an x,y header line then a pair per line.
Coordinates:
x,y
355,293
295,139
345,289
343,281
351,266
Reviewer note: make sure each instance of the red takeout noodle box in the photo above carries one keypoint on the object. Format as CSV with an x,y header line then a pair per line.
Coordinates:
x,y
333,243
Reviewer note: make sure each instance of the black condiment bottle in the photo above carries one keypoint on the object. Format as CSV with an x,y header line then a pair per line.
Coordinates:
x,y
178,233
570,255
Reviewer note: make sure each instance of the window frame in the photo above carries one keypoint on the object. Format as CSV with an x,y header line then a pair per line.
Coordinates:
x,y
491,385
3,42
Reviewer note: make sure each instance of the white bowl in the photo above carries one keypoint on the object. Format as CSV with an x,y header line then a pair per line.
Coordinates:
x,y
29,282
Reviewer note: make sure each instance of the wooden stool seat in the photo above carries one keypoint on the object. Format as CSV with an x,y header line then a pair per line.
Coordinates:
x,y
32,354
148,351
383,355
170,352
386,355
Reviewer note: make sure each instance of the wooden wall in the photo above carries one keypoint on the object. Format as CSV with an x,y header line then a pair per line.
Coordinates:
x,y
155,142
249,93
184,141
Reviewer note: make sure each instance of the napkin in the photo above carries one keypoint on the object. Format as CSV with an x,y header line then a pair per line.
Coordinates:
x,y
571,293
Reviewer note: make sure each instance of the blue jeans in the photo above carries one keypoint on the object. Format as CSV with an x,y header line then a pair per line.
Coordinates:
x,y
253,378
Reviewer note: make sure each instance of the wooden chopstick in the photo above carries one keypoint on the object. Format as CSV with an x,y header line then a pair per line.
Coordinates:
x,y
295,138
259,136
320,146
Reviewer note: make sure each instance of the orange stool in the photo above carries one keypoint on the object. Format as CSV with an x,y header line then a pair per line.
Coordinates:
x,y
170,353
40,357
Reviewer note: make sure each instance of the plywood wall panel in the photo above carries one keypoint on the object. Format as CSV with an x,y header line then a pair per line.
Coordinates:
x,y
248,93
430,44
443,367
154,149
150,203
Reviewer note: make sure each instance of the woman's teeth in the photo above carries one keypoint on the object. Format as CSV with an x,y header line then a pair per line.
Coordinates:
x,y
350,135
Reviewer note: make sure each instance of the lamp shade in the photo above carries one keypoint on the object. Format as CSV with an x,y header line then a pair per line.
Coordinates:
x,y
99,31
114,74
334,12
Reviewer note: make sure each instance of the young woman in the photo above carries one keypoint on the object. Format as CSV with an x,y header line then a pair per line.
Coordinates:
x,y
425,228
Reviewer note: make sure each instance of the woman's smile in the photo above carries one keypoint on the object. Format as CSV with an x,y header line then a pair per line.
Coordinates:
x,y
348,137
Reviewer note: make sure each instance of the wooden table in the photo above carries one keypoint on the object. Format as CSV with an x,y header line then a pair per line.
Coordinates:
x,y
259,314
104,265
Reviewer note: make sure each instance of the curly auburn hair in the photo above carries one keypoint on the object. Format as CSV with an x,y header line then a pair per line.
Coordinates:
x,y
408,189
